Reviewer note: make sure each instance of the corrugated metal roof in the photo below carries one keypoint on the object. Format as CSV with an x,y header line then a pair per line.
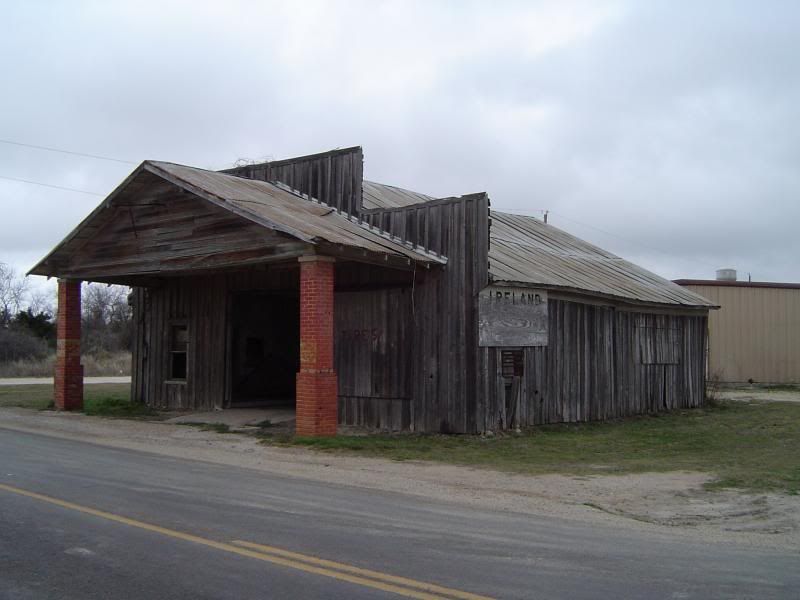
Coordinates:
x,y
278,208
526,250
380,195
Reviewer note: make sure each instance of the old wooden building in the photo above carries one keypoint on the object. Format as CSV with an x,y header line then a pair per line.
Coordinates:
x,y
296,281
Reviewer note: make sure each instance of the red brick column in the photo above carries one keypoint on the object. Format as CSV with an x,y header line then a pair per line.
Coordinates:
x,y
69,371
316,394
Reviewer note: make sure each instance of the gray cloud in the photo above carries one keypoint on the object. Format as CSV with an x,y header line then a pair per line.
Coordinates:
x,y
672,126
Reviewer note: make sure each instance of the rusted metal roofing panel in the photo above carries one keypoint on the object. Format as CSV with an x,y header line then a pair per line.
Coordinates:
x,y
379,195
279,208
525,250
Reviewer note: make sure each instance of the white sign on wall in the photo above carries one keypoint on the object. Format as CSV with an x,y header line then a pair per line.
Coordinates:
x,y
510,316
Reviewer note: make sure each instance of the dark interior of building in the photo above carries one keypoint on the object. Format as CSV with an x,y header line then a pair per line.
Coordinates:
x,y
265,349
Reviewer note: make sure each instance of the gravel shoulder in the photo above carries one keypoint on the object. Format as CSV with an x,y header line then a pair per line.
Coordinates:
x,y
661,502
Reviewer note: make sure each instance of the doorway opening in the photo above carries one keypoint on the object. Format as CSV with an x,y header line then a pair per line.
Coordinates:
x,y
265,349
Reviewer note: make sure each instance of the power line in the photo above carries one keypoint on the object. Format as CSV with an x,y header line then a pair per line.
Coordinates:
x,y
84,154
50,185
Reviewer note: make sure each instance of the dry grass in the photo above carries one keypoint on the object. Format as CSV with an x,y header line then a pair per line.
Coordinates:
x,y
106,364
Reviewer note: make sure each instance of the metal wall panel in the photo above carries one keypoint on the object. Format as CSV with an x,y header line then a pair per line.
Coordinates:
x,y
754,335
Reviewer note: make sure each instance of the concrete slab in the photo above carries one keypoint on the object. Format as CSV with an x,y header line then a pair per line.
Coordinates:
x,y
49,380
238,417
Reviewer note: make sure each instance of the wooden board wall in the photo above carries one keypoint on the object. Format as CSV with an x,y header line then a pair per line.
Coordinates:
x,y
330,177
595,367
202,303
373,374
373,350
175,232
444,390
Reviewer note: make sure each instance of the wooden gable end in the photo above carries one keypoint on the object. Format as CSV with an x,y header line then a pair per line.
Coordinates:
x,y
169,233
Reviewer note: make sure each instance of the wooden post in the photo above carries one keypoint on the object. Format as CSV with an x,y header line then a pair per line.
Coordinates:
x,y
316,396
68,393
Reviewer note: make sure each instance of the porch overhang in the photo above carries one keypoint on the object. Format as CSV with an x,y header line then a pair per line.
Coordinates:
x,y
167,220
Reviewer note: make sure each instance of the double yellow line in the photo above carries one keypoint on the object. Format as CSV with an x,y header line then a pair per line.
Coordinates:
x,y
410,588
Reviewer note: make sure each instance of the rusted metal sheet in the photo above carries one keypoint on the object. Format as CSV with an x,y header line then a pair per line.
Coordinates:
x,y
278,208
524,250
380,195
515,317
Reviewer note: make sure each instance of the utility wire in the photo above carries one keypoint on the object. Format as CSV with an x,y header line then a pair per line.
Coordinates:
x,y
84,154
50,185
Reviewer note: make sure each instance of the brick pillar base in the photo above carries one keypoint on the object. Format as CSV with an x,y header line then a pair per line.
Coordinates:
x,y
316,404
68,393
317,392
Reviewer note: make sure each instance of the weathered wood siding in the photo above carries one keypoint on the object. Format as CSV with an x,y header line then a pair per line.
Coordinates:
x,y
330,177
445,364
203,303
374,338
175,232
600,363
200,303
373,351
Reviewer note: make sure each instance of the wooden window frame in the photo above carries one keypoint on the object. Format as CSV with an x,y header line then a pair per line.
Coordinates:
x,y
171,351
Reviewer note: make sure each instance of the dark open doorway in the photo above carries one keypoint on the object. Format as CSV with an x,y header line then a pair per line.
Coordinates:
x,y
265,349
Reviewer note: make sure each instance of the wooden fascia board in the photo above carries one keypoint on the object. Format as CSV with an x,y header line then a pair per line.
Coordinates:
x,y
393,261
101,275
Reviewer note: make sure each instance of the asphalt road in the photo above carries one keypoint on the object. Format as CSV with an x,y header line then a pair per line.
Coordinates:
x,y
84,521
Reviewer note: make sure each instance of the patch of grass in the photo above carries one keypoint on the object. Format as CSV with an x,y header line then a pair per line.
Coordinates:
x,y
751,446
40,397
99,399
94,364
114,406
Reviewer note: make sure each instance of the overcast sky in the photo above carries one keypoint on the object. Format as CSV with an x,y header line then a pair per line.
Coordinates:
x,y
668,133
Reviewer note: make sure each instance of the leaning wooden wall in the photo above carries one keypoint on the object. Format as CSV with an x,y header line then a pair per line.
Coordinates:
x,y
600,363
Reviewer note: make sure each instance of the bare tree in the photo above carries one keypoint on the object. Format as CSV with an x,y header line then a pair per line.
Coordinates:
x,y
39,302
12,293
106,318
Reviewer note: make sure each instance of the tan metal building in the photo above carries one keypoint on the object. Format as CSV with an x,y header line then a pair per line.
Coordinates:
x,y
755,335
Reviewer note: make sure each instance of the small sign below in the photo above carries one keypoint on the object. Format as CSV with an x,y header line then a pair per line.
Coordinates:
x,y
512,317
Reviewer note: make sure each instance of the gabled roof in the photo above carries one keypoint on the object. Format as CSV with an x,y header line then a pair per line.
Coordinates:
x,y
525,251
270,205
282,209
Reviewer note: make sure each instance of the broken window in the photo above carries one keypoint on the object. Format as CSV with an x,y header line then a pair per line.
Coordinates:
x,y
179,346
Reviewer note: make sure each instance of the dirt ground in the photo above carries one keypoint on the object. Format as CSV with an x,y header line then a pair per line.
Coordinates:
x,y
667,501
